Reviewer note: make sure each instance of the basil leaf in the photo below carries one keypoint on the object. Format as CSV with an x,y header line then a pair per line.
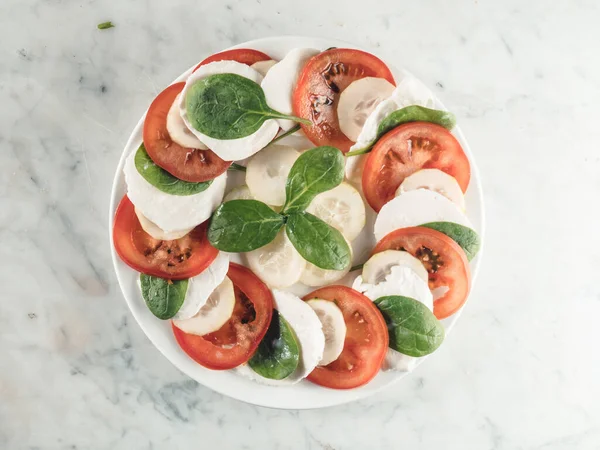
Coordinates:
x,y
229,106
163,297
413,113
467,238
105,25
278,354
163,180
317,242
413,329
317,170
243,226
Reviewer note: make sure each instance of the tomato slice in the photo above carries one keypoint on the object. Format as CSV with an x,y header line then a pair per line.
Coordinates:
x,y
366,341
188,164
242,55
236,341
320,84
176,260
407,149
444,260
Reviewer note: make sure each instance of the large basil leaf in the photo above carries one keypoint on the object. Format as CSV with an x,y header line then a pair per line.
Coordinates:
x,y
163,180
317,170
163,297
229,106
467,238
243,226
413,329
317,242
278,354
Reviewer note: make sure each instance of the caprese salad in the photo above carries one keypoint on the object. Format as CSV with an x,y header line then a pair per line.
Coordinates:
x,y
299,219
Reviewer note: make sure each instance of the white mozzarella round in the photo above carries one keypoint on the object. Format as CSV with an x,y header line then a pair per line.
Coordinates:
x,y
354,168
201,287
178,130
358,100
437,181
229,149
267,172
334,329
263,67
280,81
379,266
172,212
341,207
157,233
278,263
214,314
239,193
414,208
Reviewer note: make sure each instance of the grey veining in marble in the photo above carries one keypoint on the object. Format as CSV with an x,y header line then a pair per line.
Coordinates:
x,y
521,369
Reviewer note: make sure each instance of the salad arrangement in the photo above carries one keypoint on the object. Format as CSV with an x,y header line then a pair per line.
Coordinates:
x,y
299,219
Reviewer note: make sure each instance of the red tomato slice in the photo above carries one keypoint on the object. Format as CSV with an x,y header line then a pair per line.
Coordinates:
x,y
366,341
187,164
242,55
176,260
320,84
407,149
236,341
444,260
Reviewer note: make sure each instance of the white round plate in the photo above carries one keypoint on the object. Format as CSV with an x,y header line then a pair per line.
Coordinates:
x,y
304,395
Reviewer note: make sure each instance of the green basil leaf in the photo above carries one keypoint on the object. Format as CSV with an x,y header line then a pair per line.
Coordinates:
x,y
163,180
163,297
243,225
105,25
278,354
413,329
467,238
408,114
317,170
317,242
229,106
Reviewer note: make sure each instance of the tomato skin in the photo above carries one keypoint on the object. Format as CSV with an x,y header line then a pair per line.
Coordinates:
x,y
407,149
320,84
131,241
243,337
246,56
366,343
453,271
187,164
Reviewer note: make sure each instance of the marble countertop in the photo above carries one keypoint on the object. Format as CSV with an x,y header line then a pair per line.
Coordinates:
x,y
520,370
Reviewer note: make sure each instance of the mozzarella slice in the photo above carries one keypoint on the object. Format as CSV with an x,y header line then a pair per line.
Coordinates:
x,y
307,328
414,208
263,67
229,149
171,212
178,131
278,263
157,233
354,168
410,91
358,100
214,314
201,287
437,181
267,172
239,193
334,328
341,207
281,79
379,266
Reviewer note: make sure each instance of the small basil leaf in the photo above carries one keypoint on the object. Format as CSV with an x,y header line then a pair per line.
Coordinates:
x,y
243,226
413,329
317,170
278,354
229,106
163,180
317,242
467,238
163,297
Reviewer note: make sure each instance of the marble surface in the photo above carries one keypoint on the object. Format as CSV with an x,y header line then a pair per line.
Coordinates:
x,y
521,369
